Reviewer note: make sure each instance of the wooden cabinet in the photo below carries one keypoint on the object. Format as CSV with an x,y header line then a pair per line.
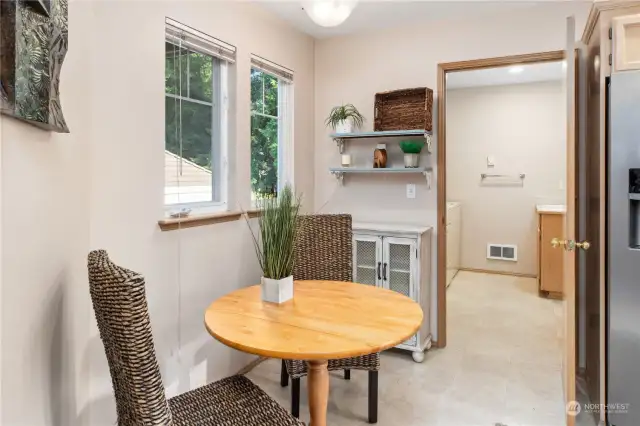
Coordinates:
x,y
398,258
550,259
626,43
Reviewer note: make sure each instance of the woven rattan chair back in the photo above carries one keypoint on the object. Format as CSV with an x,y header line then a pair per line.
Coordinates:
x,y
120,305
323,248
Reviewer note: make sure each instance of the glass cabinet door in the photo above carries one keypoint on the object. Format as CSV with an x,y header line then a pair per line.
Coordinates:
x,y
367,259
399,265
398,270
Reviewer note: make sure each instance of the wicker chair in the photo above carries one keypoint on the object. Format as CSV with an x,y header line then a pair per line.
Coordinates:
x,y
120,305
324,252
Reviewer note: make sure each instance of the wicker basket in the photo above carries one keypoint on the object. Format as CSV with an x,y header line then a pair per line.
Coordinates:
x,y
406,109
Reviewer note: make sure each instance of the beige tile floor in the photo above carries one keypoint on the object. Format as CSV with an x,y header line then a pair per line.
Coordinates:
x,y
502,365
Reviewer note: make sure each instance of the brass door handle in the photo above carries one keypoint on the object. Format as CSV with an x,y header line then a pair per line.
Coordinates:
x,y
570,245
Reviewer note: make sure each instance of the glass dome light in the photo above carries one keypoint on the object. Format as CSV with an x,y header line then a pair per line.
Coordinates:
x,y
329,13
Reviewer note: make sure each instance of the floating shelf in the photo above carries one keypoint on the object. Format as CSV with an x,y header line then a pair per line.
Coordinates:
x,y
339,172
340,138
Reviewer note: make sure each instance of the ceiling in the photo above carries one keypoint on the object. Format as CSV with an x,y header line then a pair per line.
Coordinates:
x,y
371,15
549,71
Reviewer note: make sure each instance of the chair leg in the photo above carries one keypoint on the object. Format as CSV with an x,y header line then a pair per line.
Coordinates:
x,y
373,397
295,397
347,374
284,376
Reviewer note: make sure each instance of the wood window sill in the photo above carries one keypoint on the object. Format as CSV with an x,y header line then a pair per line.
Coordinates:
x,y
172,224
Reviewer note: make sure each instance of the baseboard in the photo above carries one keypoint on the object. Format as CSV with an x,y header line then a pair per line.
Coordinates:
x,y
253,364
486,271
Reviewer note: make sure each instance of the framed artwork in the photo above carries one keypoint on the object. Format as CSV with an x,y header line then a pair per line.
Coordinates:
x,y
33,43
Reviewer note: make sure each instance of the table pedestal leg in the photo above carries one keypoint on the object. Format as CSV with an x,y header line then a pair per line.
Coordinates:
x,y
318,384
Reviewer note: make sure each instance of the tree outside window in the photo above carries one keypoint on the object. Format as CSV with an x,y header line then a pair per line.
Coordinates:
x,y
264,134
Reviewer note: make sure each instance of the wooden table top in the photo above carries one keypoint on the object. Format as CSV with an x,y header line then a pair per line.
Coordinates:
x,y
324,320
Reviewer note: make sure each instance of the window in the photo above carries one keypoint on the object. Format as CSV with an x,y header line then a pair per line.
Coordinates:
x,y
271,128
195,119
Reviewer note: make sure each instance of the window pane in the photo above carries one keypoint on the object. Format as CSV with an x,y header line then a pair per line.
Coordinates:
x,y
256,91
264,156
270,95
188,175
175,70
200,77
264,93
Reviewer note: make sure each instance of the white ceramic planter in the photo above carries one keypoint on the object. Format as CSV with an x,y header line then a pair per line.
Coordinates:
x,y
277,291
411,160
345,126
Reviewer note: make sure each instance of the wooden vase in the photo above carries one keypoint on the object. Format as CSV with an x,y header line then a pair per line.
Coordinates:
x,y
380,157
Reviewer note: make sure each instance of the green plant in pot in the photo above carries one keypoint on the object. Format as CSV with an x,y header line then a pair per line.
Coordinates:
x,y
411,151
274,245
344,118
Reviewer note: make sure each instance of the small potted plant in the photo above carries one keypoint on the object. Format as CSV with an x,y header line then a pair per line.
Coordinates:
x,y
274,246
344,118
411,151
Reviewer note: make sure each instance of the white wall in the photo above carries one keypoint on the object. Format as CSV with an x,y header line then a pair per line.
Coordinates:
x,y
185,270
522,126
66,194
353,68
45,237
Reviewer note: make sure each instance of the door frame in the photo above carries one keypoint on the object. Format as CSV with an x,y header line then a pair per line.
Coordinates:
x,y
443,69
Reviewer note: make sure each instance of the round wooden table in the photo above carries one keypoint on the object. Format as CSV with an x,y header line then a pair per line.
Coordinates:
x,y
325,320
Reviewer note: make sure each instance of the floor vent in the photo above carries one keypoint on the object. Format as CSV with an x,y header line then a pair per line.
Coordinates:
x,y
502,252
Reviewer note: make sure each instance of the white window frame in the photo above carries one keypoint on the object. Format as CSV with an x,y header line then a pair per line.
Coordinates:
x,y
285,122
219,141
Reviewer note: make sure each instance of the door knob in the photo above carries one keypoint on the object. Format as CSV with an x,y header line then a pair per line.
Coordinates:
x,y
584,245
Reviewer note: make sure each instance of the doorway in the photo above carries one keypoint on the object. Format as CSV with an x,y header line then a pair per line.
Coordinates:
x,y
501,175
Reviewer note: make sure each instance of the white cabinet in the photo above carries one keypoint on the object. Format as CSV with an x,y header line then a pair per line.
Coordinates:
x,y
626,43
398,258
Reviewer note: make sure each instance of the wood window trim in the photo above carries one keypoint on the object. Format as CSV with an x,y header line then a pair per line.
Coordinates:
x,y
174,224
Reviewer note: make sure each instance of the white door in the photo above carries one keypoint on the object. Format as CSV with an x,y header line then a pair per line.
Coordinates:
x,y
398,265
367,259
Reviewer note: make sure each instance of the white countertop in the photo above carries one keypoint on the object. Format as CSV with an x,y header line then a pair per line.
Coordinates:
x,y
391,227
551,208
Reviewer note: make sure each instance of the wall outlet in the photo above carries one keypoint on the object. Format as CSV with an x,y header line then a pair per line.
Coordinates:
x,y
411,191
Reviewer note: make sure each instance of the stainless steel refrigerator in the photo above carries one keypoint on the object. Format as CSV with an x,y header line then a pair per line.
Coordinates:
x,y
623,249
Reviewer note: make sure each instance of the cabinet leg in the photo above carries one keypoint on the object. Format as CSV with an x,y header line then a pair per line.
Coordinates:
x,y
418,356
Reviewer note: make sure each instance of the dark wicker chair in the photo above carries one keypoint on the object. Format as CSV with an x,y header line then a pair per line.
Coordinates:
x,y
324,252
120,305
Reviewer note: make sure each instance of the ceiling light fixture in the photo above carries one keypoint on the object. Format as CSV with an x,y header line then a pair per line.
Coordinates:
x,y
515,70
329,13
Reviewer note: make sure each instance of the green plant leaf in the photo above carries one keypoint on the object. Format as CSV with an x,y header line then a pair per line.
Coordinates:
x,y
411,146
275,244
344,112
